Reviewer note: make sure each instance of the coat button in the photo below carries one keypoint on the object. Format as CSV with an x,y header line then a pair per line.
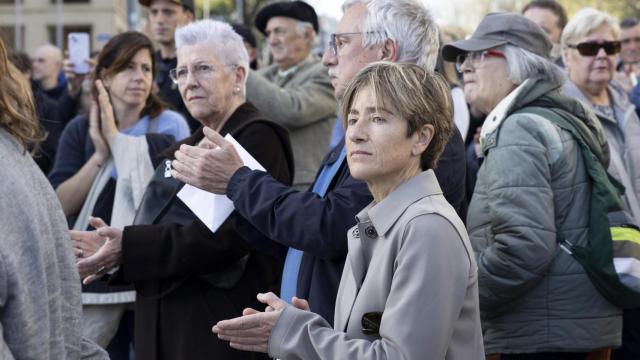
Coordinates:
x,y
371,232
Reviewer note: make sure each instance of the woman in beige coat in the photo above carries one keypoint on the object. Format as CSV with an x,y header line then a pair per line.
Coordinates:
x,y
409,287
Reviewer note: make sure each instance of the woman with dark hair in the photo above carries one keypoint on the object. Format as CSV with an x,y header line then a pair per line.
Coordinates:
x,y
106,159
39,288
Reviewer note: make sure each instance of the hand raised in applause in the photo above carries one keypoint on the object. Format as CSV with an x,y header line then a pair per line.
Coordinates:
x,y
99,142
108,124
208,166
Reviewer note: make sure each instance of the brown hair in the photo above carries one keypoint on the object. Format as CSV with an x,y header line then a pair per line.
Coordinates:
x,y
418,96
17,111
116,56
551,5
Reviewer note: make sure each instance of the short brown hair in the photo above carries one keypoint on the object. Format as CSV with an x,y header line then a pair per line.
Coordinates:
x,y
418,96
116,56
552,6
17,111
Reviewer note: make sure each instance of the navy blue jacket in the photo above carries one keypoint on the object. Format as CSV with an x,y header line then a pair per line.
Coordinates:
x,y
305,221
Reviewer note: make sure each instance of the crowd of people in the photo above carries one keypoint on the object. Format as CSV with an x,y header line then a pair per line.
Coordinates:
x,y
425,195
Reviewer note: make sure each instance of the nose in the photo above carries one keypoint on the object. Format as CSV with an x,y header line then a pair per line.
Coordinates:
x,y
466,67
272,39
356,132
191,82
601,53
328,59
138,74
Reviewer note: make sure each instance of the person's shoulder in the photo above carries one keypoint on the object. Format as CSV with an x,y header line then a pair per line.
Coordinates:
x,y
78,126
173,123
313,67
170,115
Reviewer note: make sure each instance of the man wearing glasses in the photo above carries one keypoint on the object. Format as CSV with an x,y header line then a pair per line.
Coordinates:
x,y
314,224
295,90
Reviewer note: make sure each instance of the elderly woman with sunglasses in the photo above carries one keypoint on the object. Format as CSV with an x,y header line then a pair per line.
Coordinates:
x,y
536,301
590,49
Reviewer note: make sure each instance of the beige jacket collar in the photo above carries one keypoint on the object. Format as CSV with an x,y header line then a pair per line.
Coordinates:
x,y
384,214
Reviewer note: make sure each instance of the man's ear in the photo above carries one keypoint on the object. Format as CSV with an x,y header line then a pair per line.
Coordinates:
x,y
309,34
390,51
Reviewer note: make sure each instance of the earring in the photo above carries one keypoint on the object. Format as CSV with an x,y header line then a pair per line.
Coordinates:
x,y
236,90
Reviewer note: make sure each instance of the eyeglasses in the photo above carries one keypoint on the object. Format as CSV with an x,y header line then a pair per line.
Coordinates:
x,y
627,41
591,48
476,57
334,42
199,71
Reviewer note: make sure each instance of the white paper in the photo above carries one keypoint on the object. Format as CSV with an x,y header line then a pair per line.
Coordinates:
x,y
210,208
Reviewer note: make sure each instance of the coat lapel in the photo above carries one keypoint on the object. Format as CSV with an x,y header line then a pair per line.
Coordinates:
x,y
355,273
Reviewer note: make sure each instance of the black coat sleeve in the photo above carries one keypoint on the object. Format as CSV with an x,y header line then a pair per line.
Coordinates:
x,y
300,219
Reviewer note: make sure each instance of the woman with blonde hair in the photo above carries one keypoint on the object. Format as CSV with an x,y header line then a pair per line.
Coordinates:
x,y
40,308
590,48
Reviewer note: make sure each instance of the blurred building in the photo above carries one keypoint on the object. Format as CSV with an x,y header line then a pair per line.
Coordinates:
x,y
40,19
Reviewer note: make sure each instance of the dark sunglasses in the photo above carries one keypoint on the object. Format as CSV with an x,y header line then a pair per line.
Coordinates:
x,y
591,48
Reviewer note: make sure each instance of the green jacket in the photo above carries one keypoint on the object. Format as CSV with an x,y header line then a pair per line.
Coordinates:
x,y
534,297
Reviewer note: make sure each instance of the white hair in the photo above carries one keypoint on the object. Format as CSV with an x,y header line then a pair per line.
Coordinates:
x,y
586,21
302,27
406,22
220,37
523,64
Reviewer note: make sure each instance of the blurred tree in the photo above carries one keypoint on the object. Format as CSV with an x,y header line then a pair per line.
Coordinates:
x,y
621,9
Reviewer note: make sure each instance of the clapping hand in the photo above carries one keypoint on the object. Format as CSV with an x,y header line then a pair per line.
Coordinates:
x,y
251,331
97,251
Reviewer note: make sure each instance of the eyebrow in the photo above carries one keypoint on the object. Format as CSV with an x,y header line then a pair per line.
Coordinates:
x,y
369,110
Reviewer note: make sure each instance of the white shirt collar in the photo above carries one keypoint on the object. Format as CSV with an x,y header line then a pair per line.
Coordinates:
x,y
498,113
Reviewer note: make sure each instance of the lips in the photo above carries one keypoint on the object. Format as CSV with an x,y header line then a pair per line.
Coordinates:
x,y
359,153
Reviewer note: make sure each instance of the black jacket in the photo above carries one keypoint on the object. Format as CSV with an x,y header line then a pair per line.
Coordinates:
x,y
188,278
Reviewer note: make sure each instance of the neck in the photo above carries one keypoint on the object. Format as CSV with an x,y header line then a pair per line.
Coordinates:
x,y
49,83
126,115
597,95
218,122
167,50
381,188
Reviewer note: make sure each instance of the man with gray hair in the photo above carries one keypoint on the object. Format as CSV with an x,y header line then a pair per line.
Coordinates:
x,y
47,66
314,224
295,90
